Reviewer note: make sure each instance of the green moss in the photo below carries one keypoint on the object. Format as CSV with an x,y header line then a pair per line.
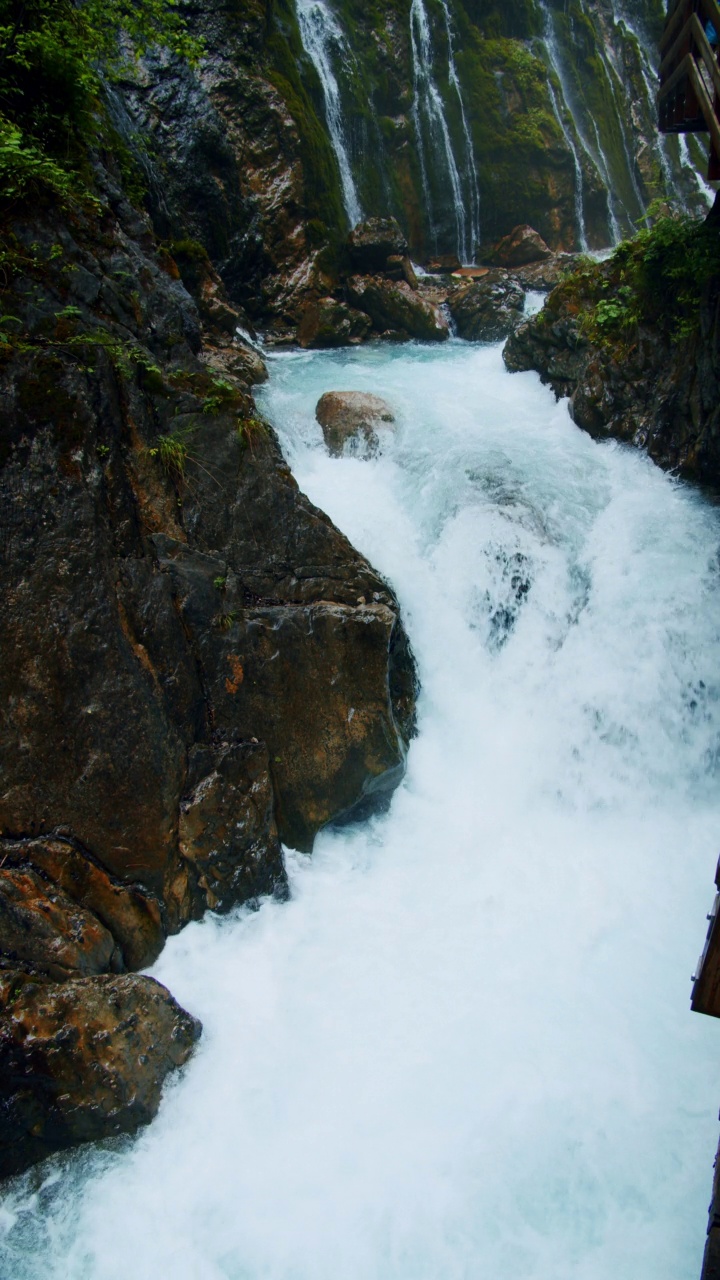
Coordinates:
x,y
656,280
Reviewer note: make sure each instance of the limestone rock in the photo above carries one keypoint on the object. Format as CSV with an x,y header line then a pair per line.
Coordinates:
x,y
328,323
262,659
227,825
488,309
352,415
553,346
371,243
401,268
397,307
132,917
83,1060
521,246
45,932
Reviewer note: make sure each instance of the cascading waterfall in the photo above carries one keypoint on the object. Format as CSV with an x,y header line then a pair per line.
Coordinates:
x,y
431,127
595,154
463,1048
706,191
474,181
579,183
322,37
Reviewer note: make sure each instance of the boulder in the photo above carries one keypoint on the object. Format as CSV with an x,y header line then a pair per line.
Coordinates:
x,y
83,1060
520,246
399,268
132,917
328,323
227,824
487,310
371,243
43,930
352,415
444,263
395,306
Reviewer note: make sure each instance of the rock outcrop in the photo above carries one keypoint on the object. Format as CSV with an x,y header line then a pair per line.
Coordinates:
x,y
520,247
331,323
83,1060
396,309
196,663
655,382
353,416
489,309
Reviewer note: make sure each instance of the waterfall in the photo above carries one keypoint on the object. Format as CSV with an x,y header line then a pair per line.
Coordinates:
x,y
706,191
579,186
321,36
595,154
469,149
428,103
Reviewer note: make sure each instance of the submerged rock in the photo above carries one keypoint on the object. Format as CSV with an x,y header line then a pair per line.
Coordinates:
x,y
396,307
521,246
487,309
83,1060
372,242
352,415
329,323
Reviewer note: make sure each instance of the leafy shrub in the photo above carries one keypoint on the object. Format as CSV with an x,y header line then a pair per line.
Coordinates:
x,y
53,56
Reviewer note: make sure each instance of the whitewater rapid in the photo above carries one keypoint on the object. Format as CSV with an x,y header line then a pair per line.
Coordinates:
x,y
463,1050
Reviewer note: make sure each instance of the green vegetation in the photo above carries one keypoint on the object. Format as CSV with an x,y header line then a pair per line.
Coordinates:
x,y
53,56
656,280
173,451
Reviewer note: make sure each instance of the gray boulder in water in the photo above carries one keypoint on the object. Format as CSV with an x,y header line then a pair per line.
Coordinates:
x,y
352,415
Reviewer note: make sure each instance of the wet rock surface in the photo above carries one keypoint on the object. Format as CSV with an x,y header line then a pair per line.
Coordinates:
x,y
658,392
373,242
488,309
330,323
83,1060
352,415
196,662
521,246
395,308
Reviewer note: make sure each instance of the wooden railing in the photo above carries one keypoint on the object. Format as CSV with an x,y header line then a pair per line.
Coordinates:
x,y
689,98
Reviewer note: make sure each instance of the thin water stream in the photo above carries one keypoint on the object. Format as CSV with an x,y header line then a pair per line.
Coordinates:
x,y
463,1050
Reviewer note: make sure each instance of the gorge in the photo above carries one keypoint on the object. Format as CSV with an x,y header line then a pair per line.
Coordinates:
x,y
466,662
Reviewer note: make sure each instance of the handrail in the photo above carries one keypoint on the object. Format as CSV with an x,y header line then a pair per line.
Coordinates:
x,y
687,103
710,11
694,27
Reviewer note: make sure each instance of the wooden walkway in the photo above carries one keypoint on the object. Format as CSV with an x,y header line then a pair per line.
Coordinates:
x,y
689,99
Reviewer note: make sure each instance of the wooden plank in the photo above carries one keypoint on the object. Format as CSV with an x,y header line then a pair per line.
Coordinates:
x,y
687,31
708,56
706,107
674,19
687,64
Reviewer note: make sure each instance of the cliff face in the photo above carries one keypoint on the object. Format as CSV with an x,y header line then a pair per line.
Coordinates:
x,y
460,119
637,351
183,633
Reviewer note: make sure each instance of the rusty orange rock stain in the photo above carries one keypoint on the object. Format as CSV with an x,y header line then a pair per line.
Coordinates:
x,y
232,684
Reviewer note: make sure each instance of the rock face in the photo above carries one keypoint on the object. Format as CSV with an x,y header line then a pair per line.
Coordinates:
x,y
654,389
83,1060
488,309
352,415
396,309
522,246
372,243
196,663
329,323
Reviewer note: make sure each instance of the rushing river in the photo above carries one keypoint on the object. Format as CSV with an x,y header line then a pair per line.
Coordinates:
x,y
463,1050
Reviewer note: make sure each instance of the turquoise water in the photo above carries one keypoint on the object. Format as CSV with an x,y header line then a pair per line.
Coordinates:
x,y
463,1050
